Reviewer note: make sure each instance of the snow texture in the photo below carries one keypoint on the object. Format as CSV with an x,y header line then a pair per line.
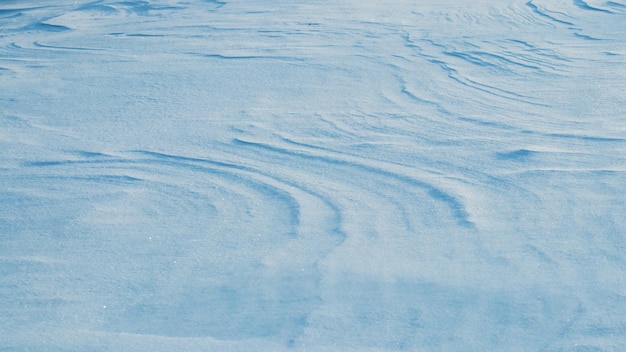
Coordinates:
x,y
320,176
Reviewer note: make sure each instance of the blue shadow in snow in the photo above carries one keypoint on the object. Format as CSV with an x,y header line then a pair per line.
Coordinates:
x,y
583,5
543,14
516,155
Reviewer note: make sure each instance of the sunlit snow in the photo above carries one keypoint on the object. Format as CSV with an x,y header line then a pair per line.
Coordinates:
x,y
318,176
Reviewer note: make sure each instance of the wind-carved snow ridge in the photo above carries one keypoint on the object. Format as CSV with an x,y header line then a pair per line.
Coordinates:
x,y
312,176
387,172
543,13
585,6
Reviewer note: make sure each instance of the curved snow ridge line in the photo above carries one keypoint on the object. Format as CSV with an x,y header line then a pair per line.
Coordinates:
x,y
573,171
586,37
109,183
393,171
90,177
306,204
616,5
16,20
310,215
500,56
35,55
533,159
457,76
519,155
585,138
585,6
252,57
44,27
544,14
57,47
562,136
142,8
217,175
95,167
217,3
255,193
486,59
107,14
100,8
87,158
365,200
542,52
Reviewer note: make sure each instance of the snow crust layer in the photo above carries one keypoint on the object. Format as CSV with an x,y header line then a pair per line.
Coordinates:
x,y
319,176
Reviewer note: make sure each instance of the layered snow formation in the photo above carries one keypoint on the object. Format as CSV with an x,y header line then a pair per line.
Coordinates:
x,y
312,175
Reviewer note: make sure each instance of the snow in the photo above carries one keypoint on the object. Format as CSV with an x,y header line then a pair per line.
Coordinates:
x,y
318,176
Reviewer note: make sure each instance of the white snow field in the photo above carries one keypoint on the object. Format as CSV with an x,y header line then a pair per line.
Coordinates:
x,y
246,175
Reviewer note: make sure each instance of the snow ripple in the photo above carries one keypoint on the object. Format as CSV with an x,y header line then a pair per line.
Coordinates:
x,y
337,176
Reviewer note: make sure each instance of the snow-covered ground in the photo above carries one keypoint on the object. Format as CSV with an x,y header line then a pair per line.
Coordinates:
x,y
312,175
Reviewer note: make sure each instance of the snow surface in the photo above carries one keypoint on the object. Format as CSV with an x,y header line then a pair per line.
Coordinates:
x,y
320,176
